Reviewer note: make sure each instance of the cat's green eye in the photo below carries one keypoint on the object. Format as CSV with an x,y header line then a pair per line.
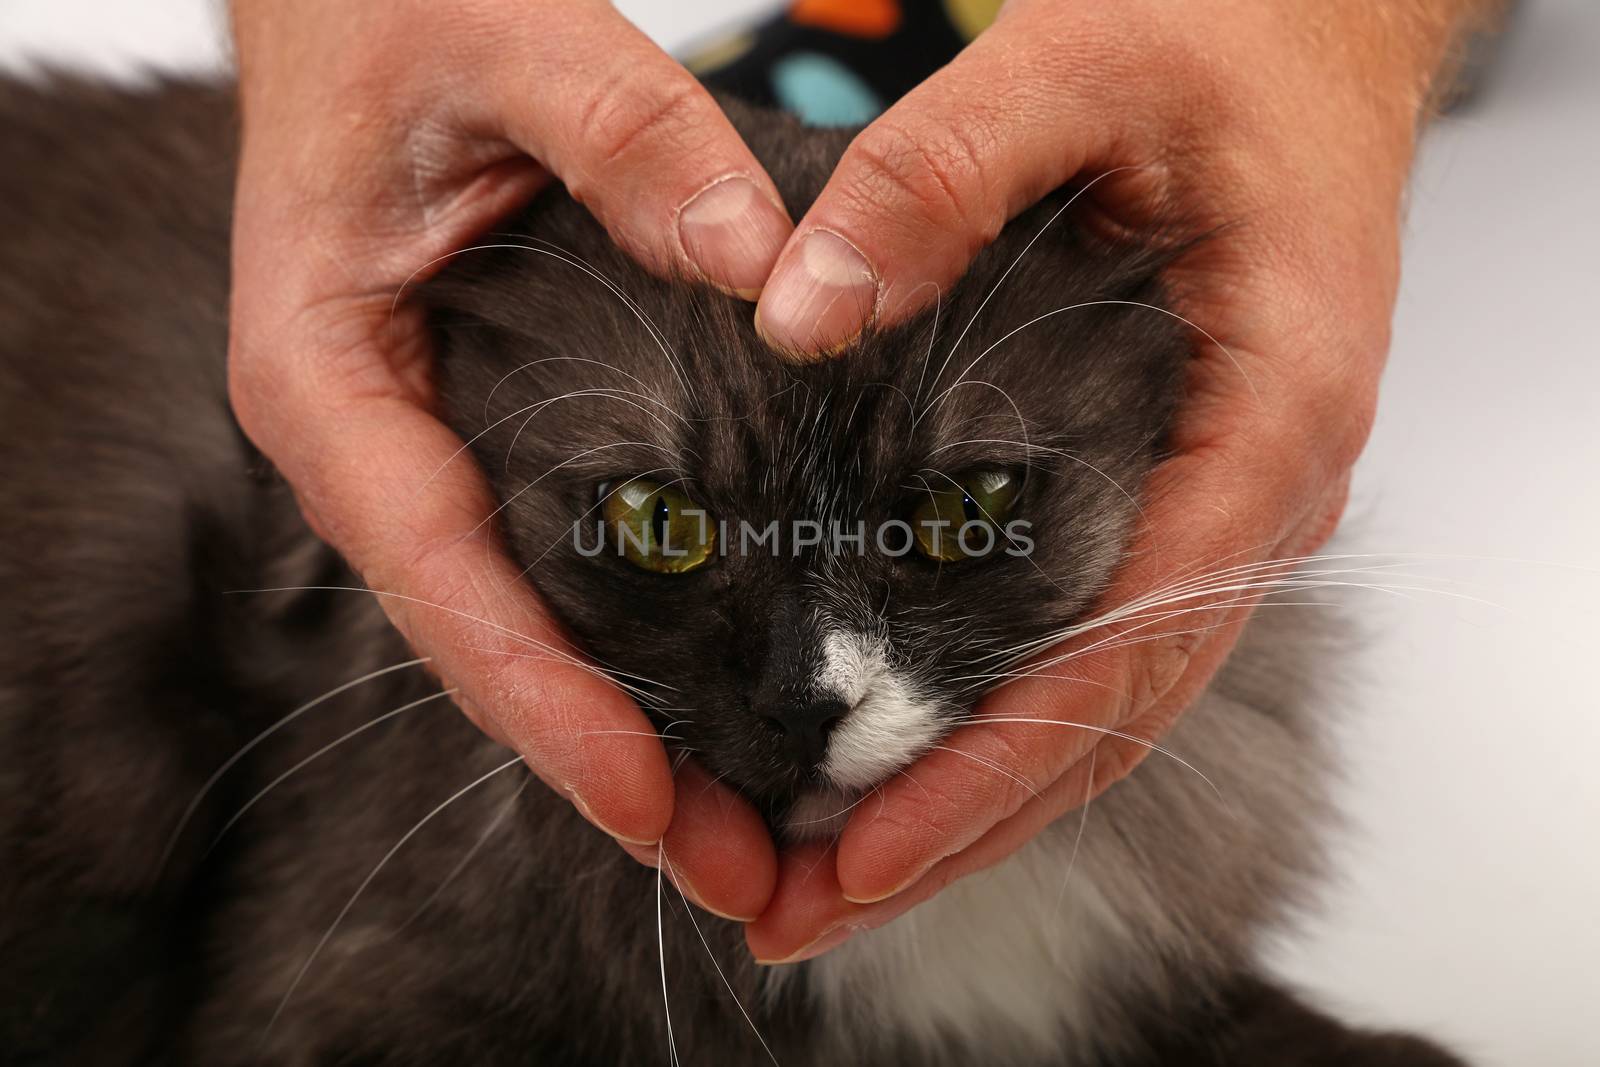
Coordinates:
x,y
657,527
966,520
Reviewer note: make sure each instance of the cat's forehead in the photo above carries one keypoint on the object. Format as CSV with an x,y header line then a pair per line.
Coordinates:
x,y
1046,343
860,421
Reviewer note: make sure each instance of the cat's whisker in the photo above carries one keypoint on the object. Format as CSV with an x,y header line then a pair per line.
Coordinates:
x,y
679,758
318,754
819,820
1238,580
619,395
707,787
512,634
477,846
656,333
1029,448
597,505
986,682
1156,614
554,654
1255,588
1073,199
1199,565
878,789
1001,527
560,255
991,765
407,836
569,460
638,693
489,400
712,956
1398,559
1284,568
661,736
861,395
933,337
1119,638
1022,445
232,761
572,259
1022,423
661,952
1109,732
533,409
467,444
1100,303
1286,565
1083,824
1042,669
640,696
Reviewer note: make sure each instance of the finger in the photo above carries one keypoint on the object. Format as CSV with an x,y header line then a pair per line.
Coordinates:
x,y
931,182
806,912
642,143
360,454
717,850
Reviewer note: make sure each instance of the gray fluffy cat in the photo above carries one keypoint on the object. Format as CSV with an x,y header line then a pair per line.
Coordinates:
x,y
131,506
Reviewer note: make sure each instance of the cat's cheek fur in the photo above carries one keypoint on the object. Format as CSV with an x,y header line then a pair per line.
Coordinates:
x,y
890,722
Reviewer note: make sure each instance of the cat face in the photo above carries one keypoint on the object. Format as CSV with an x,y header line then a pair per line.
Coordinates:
x,y
808,572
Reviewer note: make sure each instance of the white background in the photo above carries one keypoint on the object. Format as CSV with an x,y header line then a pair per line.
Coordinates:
x,y
1471,885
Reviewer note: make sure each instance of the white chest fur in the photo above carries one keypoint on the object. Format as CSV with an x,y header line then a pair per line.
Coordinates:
x,y
1004,960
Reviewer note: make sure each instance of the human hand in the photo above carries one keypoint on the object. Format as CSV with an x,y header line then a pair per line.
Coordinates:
x,y
378,138
1289,131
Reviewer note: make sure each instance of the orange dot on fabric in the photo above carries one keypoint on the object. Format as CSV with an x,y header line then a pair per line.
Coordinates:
x,y
857,18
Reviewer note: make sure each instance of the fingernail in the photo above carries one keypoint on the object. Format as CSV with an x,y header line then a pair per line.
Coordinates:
x,y
732,232
896,891
820,298
695,895
588,813
826,943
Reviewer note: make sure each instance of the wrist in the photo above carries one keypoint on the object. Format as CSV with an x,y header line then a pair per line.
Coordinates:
x,y
1402,57
1327,100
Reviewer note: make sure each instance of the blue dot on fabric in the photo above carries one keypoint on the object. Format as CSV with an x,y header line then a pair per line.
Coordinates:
x,y
823,92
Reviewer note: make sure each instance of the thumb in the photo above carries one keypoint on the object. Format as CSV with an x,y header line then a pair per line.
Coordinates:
x,y
926,186
642,144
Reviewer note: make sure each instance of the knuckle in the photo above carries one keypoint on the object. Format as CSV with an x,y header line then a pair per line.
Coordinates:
x,y
1114,759
1005,774
635,114
1343,407
1153,674
935,173
916,816
942,877
251,383
1350,438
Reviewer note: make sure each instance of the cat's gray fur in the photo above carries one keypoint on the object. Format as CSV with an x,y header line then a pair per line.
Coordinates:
x,y
130,505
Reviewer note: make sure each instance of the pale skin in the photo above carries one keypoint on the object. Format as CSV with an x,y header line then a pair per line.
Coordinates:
x,y
382,135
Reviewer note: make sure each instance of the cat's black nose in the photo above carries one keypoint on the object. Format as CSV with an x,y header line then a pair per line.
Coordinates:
x,y
805,725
